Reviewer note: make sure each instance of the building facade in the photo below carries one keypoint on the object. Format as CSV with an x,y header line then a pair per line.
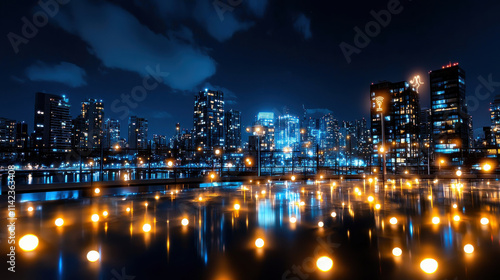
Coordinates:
x,y
208,119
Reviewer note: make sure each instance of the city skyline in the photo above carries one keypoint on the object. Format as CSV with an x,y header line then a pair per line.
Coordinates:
x,y
321,70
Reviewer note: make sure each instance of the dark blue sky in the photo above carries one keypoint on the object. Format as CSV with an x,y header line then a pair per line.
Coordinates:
x,y
264,55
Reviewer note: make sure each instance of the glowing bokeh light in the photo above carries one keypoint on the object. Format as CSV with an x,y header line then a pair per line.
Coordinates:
x,y
259,243
321,224
95,218
59,222
456,218
146,227
377,206
469,249
105,213
97,190
293,220
485,221
429,265
393,221
28,243
236,206
333,214
30,209
370,199
93,256
397,251
185,222
436,220
324,263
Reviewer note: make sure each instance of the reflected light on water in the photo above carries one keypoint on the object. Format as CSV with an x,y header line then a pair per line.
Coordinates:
x,y
236,206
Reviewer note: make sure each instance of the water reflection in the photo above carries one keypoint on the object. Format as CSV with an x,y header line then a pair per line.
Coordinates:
x,y
279,230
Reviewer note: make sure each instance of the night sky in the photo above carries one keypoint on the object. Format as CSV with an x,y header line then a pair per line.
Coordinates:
x,y
264,55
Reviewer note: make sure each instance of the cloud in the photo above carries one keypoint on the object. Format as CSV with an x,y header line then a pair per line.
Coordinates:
x,y
120,41
258,7
303,25
319,111
221,19
219,23
64,72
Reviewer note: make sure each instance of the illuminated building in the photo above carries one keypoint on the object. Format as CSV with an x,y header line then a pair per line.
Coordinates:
x,y
288,132
7,132
232,126
52,123
400,109
79,134
159,141
495,121
265,120
330,127
137,133
93,114
209,119
451,124
22,135
111,133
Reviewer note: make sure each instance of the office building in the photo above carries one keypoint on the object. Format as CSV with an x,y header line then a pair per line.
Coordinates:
x,y
232,126
208,119
137,133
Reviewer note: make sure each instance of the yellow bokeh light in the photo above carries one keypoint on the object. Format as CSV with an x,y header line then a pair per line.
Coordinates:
x,y
95,218
236,206
377,206
485,221
59,222
146,227
455,205
436,220
259,243
97,190
93,256
393,221
30,209
324,263
456,218
185,222
321,224
397,251
429,265
105,213
469,249
370,199
293,220
128,209
28,243
333,214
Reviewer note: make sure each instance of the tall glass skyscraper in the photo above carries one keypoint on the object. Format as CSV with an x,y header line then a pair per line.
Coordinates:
x,y
266,121
399,104
288,132
451,124
495,121
233,129
52,123
137,133
208,119
93,114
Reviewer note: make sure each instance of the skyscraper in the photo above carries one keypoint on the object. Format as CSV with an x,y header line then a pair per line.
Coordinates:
x,y
330,127
111,133
266,121
450,121
208,119
22,138
52,123
7,133
288,132
137,133
93,114
495,121
399,105
232,126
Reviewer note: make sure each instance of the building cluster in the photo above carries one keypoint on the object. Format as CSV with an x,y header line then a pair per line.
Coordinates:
x,y
402,134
